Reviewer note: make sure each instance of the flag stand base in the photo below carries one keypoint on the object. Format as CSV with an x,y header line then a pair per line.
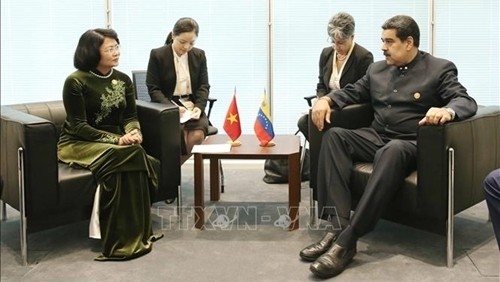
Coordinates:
x,y
269,144
234,143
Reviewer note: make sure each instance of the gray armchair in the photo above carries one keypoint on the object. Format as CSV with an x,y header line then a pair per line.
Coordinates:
x,y
452,162
48,193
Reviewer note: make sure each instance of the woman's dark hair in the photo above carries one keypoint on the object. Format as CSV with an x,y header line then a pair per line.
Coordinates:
x,y
87,54
405,26
185,24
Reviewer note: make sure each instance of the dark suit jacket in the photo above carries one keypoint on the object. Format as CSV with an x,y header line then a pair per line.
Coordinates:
x,y
161,77
401,97
355,68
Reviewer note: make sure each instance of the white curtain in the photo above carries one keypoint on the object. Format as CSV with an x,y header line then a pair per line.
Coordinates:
x,y
38,39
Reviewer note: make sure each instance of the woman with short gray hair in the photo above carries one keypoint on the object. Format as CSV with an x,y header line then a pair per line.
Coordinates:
x,y
341,25
339,64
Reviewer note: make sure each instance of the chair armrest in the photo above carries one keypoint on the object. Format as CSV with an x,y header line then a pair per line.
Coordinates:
x,y
211,102
38,138
476,145
160,128
351,117
309,99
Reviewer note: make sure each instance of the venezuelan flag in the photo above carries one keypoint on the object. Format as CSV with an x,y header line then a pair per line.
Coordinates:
x,y
263,125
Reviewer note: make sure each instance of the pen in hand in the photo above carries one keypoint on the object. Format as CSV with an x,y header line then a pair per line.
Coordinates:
x,y
182,108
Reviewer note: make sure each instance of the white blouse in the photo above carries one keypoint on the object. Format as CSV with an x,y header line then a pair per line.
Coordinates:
x,y
183,84
334,83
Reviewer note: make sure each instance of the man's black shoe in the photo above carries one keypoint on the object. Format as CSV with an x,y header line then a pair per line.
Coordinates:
x,y
314,251
333,262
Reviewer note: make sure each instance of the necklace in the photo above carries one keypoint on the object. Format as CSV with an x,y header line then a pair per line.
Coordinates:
x,y
102,76
341,57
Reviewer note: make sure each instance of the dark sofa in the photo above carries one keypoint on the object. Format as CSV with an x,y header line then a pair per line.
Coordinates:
x,y
49,193
452,162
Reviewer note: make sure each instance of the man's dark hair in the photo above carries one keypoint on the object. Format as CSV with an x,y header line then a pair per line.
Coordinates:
x,y
405,26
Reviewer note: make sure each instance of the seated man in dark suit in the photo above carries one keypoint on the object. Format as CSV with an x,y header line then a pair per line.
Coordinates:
x,y
407,89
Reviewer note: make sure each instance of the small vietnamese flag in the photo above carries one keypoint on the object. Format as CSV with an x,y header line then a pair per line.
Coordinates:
x,y
232,124
263,125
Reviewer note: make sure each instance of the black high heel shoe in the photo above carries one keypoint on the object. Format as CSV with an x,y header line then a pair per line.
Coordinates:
x,y
170,201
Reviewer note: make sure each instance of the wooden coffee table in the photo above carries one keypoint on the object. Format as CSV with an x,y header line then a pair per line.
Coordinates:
x,y
287,147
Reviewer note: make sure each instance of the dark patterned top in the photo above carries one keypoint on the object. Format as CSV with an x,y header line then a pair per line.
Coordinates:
x,y
98,108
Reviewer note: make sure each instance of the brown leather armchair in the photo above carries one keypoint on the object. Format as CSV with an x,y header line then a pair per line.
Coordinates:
x,y
452,163
48,193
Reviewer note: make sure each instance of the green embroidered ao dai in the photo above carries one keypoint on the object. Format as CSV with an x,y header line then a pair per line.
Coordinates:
x,y
100,109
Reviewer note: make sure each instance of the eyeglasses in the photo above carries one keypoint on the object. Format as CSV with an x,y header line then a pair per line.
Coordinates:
x,y
341,42
338,42
112,49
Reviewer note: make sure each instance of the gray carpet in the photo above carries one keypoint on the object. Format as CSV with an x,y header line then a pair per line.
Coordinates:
x,y
246,240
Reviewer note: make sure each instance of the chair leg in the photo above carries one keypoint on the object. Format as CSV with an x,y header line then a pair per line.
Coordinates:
x,y
302,160
4,211
22,209
221,177
451,208
179,202
313,215
303,157
313,212
24,238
